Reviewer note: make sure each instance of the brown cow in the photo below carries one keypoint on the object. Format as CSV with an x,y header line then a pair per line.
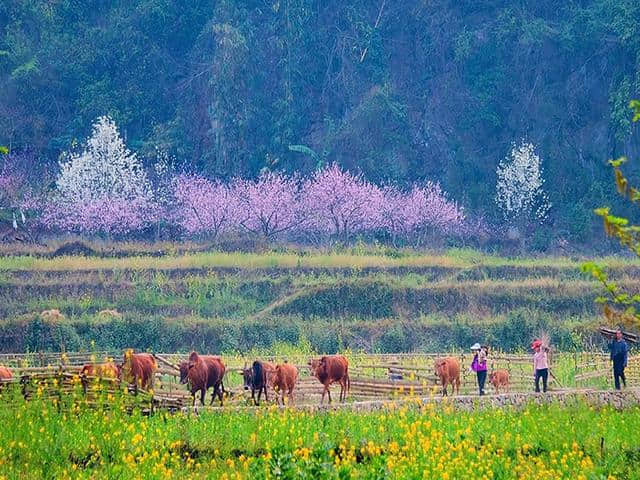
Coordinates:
x,y
217,370
259,377
271,374
499,378
203,372
5,373
448,370
285,380
102,370
330,369
139,369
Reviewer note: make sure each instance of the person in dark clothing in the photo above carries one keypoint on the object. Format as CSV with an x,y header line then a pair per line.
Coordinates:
x,y
619,350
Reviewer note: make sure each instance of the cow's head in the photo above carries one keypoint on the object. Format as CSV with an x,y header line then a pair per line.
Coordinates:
x,y
247,376
314,365
440,366
125,366
492,377
120,370
184,372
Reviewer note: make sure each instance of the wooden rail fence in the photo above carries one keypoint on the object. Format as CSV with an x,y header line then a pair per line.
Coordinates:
x,y
372,376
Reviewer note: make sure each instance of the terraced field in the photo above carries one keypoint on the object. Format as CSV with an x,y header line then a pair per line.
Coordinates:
x,y
229,302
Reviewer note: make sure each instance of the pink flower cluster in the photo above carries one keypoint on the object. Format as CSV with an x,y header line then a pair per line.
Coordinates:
x,y
341,204
113,216
103,188
203,206
333,203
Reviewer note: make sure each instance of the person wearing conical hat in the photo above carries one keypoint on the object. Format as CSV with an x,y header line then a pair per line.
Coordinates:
x,y
479,365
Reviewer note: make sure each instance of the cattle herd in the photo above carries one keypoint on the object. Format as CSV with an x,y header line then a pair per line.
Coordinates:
x,y
202,372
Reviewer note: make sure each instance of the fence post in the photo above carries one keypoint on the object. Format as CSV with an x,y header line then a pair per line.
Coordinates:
x,y
60,380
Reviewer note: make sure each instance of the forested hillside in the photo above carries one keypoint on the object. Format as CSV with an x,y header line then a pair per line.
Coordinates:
x,y
401,91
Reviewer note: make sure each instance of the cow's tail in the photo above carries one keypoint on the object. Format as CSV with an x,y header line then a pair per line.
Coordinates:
x,y
348,382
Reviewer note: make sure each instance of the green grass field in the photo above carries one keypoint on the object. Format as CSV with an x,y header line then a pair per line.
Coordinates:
x,y
544,442
366,258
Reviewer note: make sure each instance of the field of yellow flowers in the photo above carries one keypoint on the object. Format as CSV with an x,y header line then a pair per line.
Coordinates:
x,y
64,437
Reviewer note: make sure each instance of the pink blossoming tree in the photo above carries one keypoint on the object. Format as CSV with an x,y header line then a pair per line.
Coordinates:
x,y
269,206
419,213
429,212
203,206
340,204
104,189
12,182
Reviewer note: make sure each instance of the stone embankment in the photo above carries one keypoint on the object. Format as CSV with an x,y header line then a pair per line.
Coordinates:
x,y
597,398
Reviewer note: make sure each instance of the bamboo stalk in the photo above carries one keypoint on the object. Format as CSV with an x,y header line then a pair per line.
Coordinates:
x,y
162,360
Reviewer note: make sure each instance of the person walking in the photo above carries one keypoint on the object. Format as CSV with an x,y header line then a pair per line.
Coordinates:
x,y
619,351
540,365
479,365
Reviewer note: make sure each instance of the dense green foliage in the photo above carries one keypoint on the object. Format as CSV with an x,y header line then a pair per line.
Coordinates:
x,y
399,90
510,332
40,441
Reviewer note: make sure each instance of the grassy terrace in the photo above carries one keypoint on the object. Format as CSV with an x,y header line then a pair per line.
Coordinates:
x,y
378,300
451,259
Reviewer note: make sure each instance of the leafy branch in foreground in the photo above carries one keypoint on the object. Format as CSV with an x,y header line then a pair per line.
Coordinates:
x,y
619,306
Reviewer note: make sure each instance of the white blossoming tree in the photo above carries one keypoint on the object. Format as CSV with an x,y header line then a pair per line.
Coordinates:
x,y
102,188
519,192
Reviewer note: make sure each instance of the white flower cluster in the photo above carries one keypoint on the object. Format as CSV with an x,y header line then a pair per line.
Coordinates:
x,y
519,192
105,169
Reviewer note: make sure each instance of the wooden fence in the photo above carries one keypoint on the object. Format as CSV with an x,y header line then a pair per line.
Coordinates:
x,y
373,376
66,388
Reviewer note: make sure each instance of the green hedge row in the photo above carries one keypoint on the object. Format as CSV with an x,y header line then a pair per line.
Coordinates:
x,y
510,333
382,300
